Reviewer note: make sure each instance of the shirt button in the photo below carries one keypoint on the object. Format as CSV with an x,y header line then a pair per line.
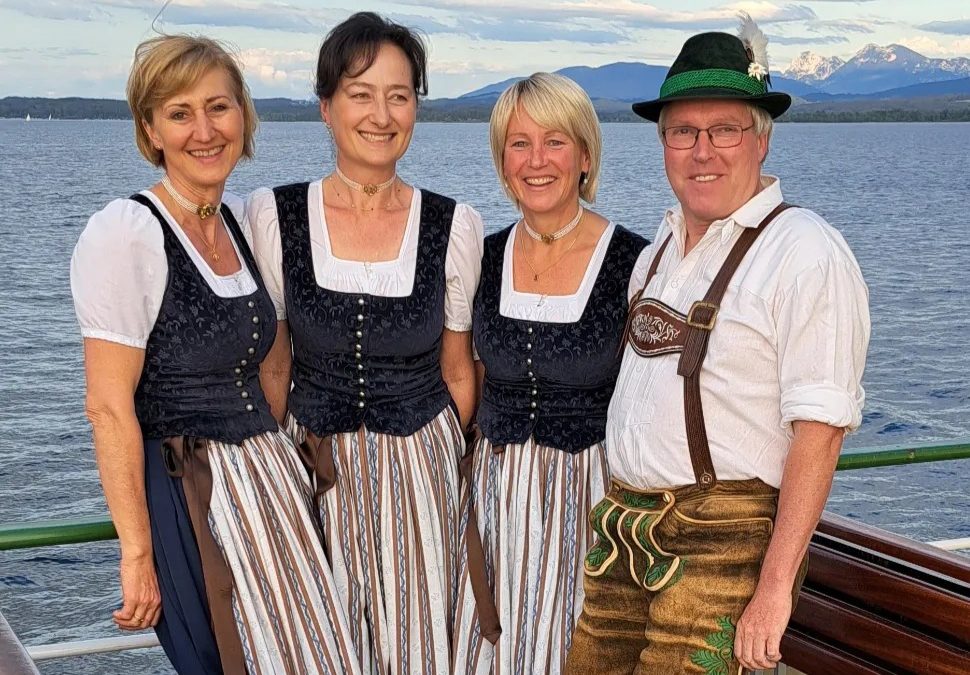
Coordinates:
x,y
361,404
244,362
251,350
245,394
250,304
528,362
255,336
239,383
255,319
359,334
532,416
535,391
358,356
238,371
530,375
528,345
675,284
533,404
360,301
360,366
362,394
529,330
360,380
357,347
249,407
360,317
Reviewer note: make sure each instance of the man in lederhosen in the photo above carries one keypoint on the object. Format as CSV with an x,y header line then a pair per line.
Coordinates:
x,y
741,374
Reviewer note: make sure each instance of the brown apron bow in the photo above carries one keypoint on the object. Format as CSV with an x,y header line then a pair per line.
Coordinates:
x,y
187,458
488,622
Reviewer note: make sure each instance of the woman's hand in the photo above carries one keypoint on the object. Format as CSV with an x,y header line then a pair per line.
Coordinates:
x,y
141,600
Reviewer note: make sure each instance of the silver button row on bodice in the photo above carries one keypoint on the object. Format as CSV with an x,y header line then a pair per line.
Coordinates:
x,y
533,403
238,370
358,353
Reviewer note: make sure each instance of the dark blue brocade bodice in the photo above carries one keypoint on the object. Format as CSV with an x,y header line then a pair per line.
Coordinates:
x,y
360,358
201,372
552,381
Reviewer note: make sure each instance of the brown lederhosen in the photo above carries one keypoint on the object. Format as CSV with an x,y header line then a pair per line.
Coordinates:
x,y
653,328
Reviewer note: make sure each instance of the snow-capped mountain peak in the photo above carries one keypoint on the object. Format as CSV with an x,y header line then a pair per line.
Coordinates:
x,y
809,67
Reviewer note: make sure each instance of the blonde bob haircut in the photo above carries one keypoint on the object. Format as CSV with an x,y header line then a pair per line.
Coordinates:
x,y
167,65
553,102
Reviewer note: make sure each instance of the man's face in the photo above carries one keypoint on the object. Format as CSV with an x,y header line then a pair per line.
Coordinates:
x,y
711,183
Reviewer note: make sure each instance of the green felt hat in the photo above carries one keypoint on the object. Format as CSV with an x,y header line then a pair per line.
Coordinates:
x,y
716,65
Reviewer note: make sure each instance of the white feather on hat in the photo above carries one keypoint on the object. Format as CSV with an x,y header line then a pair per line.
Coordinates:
x,y
756,45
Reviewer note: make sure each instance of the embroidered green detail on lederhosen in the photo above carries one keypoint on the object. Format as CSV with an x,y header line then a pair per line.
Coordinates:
x,y
624,529
717,659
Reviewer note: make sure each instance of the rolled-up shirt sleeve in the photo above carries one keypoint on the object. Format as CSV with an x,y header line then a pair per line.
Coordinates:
x,y
822,322
267,248
118,274
463,267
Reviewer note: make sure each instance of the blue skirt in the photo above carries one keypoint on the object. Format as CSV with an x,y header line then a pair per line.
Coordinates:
x,y
184,628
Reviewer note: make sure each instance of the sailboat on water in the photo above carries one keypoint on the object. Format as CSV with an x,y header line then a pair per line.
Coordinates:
x,y
27,119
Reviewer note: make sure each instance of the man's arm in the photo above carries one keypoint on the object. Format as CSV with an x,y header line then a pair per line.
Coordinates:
x,y
805,487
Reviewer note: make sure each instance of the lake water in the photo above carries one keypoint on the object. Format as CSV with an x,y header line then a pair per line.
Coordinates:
x,y
899,193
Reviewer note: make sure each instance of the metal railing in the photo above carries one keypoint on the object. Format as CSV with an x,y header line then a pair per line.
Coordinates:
x,y
80,530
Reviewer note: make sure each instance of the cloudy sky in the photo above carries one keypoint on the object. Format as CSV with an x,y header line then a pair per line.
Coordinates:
x,y
84,47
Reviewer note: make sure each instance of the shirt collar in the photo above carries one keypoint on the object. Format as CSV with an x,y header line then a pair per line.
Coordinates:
x,y
750,214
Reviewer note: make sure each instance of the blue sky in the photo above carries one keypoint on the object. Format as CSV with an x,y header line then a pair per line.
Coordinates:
x,y
84,47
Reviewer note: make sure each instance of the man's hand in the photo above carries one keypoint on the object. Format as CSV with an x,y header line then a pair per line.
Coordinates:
x,y
757,642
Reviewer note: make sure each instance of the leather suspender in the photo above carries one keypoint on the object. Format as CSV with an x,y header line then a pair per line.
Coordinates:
x,y
700,321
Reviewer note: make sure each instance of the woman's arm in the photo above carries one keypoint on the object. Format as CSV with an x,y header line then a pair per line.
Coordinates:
x,y
274,372
458,371
112,371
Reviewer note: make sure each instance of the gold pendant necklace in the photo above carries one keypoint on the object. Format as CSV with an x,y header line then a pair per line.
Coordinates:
x,y
536,274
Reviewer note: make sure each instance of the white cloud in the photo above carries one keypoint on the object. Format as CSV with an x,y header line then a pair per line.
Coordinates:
x,y
442,67
276,68
931,47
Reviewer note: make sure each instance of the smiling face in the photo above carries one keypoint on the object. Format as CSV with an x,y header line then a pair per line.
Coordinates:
x,y
200,133
712,183
542,168
372,115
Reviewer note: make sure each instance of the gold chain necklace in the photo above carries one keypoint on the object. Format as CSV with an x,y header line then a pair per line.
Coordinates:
x,y
211,247
203,211
369,189
535,274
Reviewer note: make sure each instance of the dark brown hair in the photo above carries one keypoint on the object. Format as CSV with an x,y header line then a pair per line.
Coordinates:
x,y
351,48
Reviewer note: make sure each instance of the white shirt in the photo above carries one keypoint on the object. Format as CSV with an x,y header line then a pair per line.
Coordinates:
x,y
391,278
789,344
553,308
119,270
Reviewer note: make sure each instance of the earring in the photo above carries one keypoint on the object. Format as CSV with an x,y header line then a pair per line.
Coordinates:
x,y
583,178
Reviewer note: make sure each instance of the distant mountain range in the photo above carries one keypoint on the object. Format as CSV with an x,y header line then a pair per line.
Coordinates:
x,y
875,81
874,69
625,81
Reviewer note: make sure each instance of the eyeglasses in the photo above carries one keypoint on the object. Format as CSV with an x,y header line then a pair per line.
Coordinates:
x,y
721,135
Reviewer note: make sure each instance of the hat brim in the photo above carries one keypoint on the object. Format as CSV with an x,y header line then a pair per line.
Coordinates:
x,y
774,102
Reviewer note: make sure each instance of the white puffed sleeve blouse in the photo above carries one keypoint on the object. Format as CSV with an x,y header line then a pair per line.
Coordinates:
x,y
119,270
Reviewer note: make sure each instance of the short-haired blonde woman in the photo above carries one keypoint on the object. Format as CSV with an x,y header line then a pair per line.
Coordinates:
x,y
219,551
548,321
